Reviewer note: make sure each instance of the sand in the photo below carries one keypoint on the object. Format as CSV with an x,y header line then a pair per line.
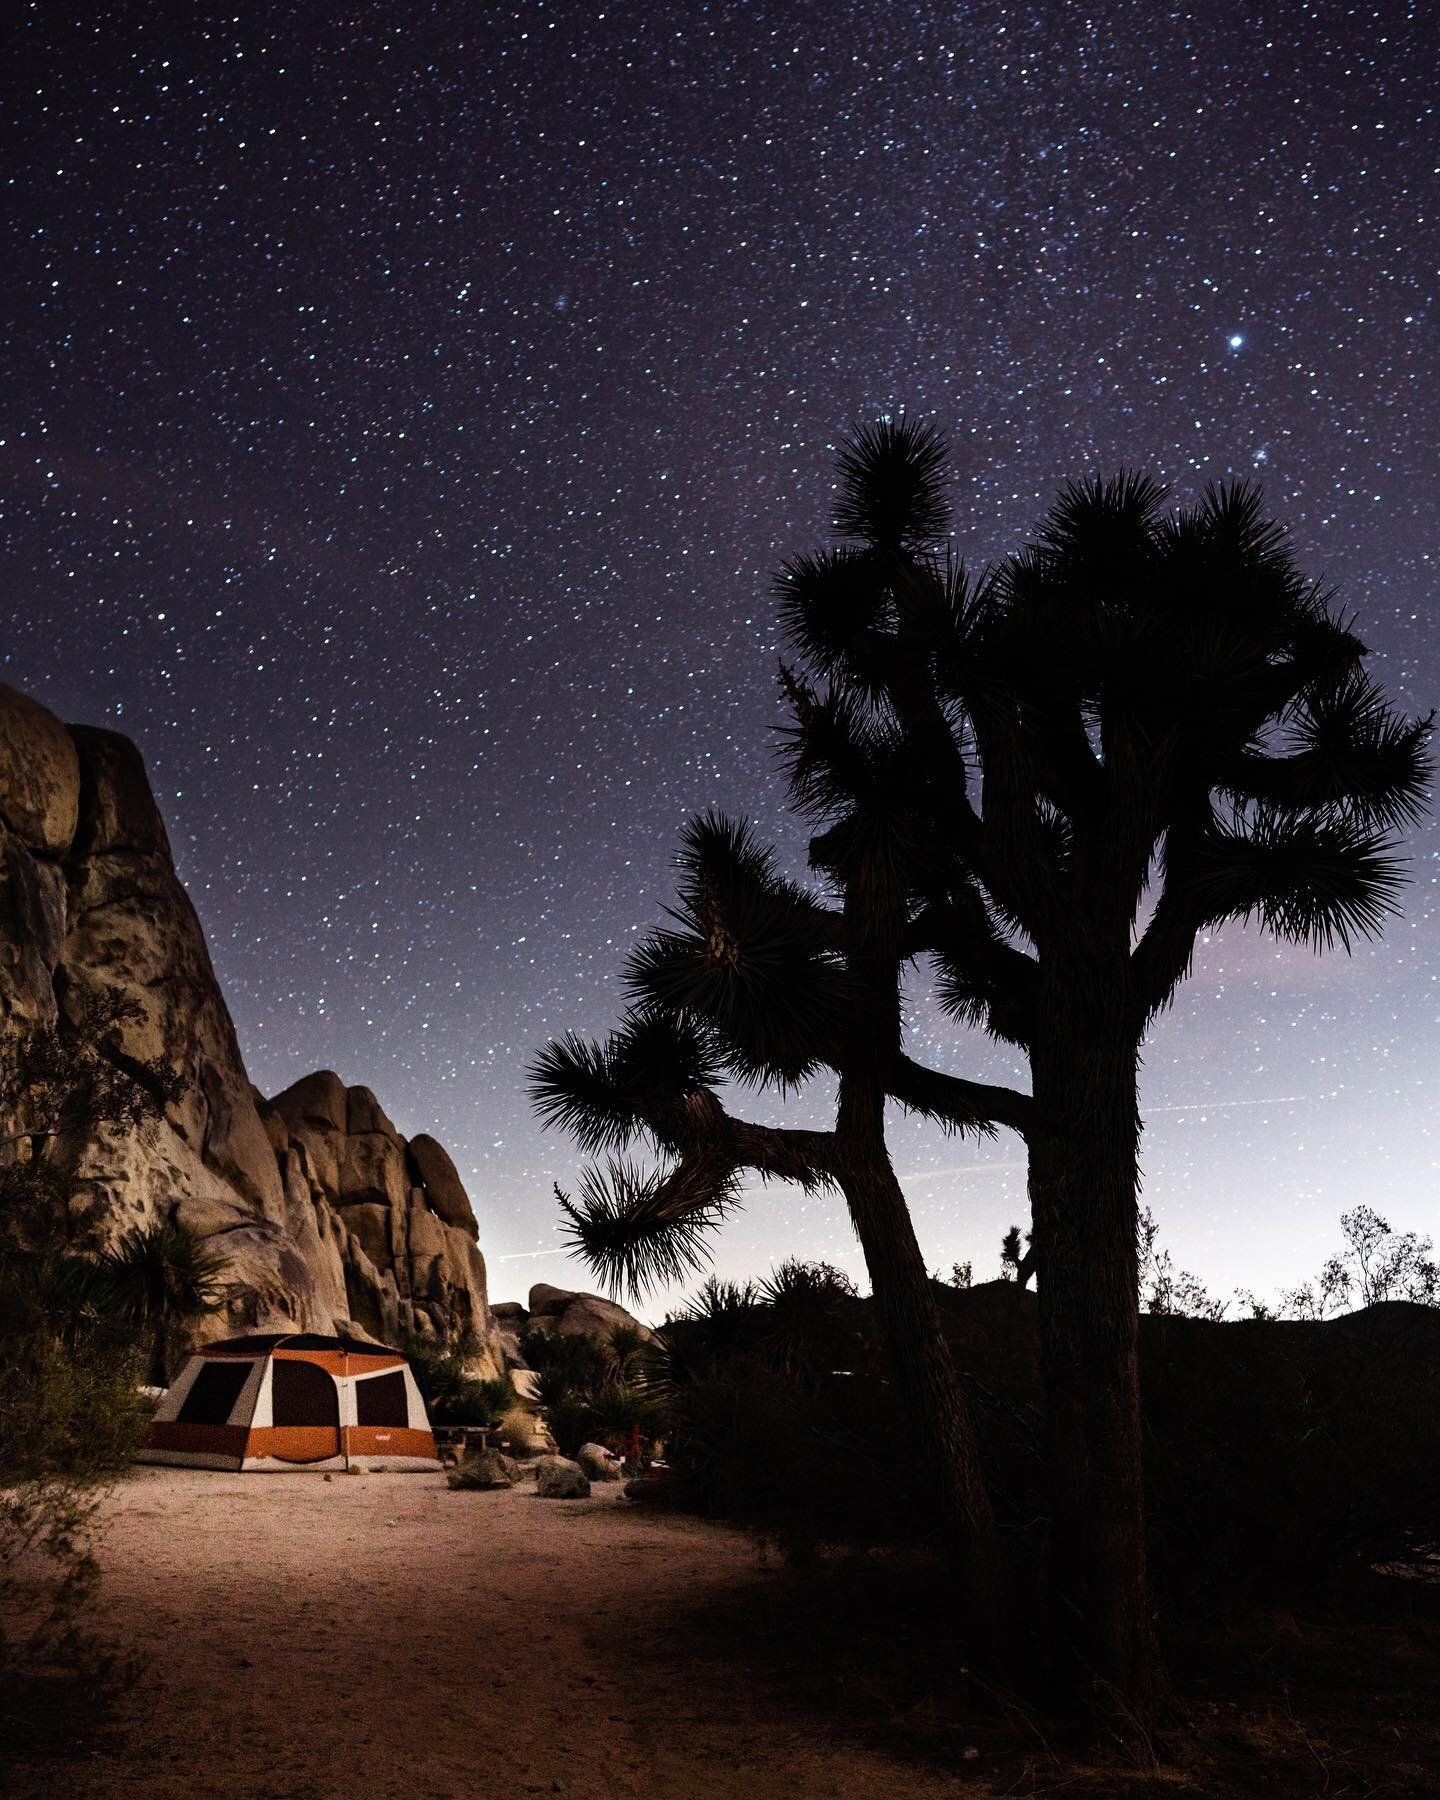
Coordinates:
x,y
379,1634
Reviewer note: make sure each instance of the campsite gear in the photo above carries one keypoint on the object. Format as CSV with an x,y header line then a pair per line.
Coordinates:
x,y
293,1400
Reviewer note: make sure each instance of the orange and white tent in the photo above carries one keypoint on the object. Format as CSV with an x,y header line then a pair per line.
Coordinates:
x,y
294,1400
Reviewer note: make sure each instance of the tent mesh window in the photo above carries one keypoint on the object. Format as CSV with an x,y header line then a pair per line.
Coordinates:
x,y
301,1394
213,1393
382,1400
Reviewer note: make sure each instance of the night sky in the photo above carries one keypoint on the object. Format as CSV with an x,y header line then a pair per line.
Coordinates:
x,y
407,406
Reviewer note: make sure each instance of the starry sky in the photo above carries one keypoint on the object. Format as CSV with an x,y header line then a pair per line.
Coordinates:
x,y
407,406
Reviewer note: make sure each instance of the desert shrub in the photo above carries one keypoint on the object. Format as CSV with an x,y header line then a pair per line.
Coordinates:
x,y
592,1387
781,1415
452,1395
521,1428
161,1278
69,1405
1282,1455
571,1422
71,1351
1279,1455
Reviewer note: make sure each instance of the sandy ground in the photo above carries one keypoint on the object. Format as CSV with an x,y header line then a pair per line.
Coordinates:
x,y
380,1635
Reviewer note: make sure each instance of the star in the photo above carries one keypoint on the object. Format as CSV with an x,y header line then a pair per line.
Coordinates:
x,y
359,356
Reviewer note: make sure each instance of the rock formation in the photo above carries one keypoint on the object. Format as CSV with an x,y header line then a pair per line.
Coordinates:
x,y
327,1217
563,1311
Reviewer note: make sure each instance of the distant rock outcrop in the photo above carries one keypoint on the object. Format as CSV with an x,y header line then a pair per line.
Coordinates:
x,y
327,1217
564,1311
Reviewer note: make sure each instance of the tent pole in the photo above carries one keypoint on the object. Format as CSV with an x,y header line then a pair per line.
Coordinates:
x,y
345,1400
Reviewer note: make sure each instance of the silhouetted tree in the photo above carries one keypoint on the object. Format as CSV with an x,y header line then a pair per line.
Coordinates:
x,y
1048,780
759,981
1017,1264
1377,1264
1145,724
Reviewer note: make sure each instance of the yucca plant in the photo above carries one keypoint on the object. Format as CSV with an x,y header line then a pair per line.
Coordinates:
x,y
162,1278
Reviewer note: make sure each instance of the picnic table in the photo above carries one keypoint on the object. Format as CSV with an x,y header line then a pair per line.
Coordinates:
x,y
453,1443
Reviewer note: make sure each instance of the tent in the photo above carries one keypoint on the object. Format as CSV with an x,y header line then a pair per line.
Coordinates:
x,y
293,1400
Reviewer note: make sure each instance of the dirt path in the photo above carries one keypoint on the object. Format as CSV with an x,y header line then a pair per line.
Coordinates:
x,y
381,1635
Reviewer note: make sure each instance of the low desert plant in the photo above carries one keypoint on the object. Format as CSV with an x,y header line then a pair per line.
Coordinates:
x,y
71,1352
452,1395
161,1279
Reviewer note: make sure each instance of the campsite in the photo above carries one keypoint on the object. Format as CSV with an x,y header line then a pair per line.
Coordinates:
x,y
720,900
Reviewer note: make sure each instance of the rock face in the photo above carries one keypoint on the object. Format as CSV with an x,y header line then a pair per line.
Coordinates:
x,y
564,1311
327,1218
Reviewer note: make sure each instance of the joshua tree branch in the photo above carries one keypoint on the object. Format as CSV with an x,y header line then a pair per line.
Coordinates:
x,y
963,1104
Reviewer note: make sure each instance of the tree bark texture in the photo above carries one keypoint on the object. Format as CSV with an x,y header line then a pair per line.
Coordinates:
x,y
1083,1184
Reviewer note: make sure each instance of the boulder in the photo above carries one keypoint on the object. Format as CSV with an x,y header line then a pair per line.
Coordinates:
x,y
570,1313
557,1478
546,1300
485,1471
651,1490
588,1315
598,1463
319,1100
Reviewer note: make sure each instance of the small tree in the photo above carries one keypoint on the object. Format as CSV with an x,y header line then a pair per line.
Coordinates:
x,y
1384,1264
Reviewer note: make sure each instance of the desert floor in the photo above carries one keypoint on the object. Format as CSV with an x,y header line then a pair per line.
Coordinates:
x,y
299,1638
382,1635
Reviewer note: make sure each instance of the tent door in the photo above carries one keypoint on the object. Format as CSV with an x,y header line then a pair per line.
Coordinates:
x,y
305,1411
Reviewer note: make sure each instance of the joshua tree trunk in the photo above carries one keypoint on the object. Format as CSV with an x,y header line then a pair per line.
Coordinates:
x,y
914,1333
1083,1176
904,1298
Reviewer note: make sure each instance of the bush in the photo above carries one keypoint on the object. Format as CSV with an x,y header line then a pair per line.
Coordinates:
x,y
1282,1455
1279,1455
594,1387
571,1422
69,1405
522,1429
451,1394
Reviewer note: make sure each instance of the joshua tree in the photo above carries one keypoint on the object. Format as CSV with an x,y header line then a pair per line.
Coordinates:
x,y
1145,724
1049,780
1017,1263
758,980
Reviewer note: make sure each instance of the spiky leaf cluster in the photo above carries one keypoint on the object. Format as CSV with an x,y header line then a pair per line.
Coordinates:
x,y
639,1229
748,954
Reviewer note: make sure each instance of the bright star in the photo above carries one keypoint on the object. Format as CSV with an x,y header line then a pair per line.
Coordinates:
x,y
1236,340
